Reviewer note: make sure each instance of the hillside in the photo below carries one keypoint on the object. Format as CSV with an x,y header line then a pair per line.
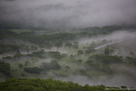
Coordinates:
x,y
85,54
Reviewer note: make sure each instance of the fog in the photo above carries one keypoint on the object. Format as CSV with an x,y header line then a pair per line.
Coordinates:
x,y
122,74
127,37
115,80
67,13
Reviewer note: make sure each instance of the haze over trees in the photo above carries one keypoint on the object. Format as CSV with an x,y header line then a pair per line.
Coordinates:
x,y
60,45
61,55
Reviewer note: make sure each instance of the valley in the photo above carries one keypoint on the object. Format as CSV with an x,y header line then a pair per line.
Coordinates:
x,y
64,56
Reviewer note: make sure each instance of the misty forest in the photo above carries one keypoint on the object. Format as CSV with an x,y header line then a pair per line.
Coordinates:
x,y
67,46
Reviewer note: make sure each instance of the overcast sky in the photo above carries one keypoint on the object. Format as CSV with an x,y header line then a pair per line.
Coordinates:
x,y
68,13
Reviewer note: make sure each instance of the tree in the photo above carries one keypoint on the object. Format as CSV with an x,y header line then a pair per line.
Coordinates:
x,y
55,64
18,51
79,61
75,45
27,63
20,65
68,44
52,65
5,68
108,50
93,44
67,67
59,44
89,50
80,52
33,70
123,87
82,72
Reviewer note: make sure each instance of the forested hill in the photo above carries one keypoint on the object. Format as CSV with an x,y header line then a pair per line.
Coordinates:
x,y
52,85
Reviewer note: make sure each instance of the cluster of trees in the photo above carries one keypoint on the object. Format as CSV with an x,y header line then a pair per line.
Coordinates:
x,y
102,62
43,54
5,33
33,70
104,29
8,48
48,40
70,44
5,68
106,59
52,65
57,39
39,54
51,40
89,50
45,85
52,85
54,54
108,50
131,60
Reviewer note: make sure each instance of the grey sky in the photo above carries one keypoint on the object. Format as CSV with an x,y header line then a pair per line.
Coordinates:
x,y
68,13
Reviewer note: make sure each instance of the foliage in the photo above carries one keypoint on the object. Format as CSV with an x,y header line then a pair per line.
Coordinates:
x,y
101,62
20,66
6,33
59,44
45,85
75,45
106,59
68,44
33,70
80,52
27,63
5,68
8,48
108,51
130,60
89,50
39,54
79,61
54,54
52,65
82,72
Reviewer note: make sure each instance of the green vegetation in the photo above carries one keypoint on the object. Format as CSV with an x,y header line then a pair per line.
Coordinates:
x,y
52,65
61,54
52,85
44,85
5,68
34,70
102,62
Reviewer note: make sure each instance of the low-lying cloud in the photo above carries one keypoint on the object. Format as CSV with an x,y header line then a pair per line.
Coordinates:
x,y
67,13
